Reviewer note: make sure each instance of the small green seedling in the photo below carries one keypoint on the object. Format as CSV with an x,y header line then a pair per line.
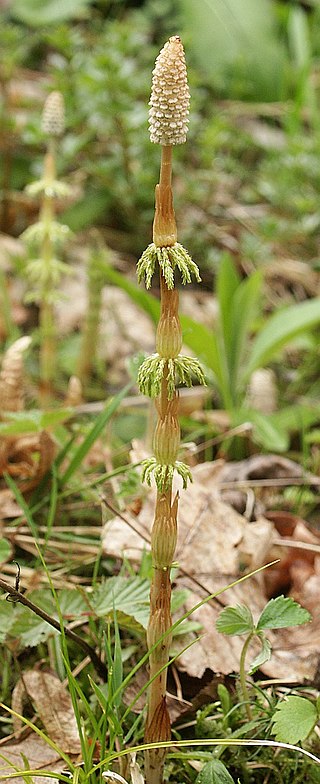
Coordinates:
x,y
278,613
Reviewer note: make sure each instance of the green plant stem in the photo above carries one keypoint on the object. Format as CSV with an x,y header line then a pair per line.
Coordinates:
x,y
243,681
46,316
88,357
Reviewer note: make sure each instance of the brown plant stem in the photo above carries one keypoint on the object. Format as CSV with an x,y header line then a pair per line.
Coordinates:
x,y
164,527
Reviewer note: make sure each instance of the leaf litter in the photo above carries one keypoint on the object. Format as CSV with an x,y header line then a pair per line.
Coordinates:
x,y
52,702
216,545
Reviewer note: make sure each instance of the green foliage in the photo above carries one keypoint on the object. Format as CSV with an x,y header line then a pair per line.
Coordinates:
x,y
18,422
235,620
214,772
278,613
282,612
294,719
168,259
238,46
93,434
163,474
152,370
45,12
128,597
5,550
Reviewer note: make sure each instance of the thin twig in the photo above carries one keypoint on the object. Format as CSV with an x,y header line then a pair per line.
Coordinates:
x,y
98,664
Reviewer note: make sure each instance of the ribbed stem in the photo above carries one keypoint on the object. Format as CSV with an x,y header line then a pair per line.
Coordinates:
x,y
164,532
46,316
88,357
164,225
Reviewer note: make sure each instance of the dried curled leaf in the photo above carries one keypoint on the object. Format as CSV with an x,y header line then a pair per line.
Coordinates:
x,y
12,376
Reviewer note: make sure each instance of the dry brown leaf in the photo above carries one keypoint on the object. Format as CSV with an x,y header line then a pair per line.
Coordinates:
x,y
8,505
52,703
260,467
27,458
12,376
39,755
214,542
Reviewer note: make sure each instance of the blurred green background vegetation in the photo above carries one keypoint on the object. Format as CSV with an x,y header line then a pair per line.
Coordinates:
x,y
260,149
247,182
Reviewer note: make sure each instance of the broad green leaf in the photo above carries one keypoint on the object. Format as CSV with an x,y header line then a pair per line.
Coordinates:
x,y
33,421
294,719
263,656
29,629
235,620
237,46
281,328
271,437
297,417
214,772
43,12
5,550
282,612
129,596
72,604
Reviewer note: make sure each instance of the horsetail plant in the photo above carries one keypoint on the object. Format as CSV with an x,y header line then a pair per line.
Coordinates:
x,y
168,121
45,236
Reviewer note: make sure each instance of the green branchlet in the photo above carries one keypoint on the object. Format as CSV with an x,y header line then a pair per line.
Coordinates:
x,y
155,367
163,474
45,229
53,189
168,259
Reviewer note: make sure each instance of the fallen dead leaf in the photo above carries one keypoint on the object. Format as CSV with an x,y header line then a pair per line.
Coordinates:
x,y
52,703
214,543
38,754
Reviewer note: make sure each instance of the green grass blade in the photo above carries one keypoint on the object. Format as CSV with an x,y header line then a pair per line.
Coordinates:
x,y
245,307
93,434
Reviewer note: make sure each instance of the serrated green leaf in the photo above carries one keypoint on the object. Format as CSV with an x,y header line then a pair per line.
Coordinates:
x,y
235,620
294,719
214,772
29,629
72,604
282,612
129,597
263,656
